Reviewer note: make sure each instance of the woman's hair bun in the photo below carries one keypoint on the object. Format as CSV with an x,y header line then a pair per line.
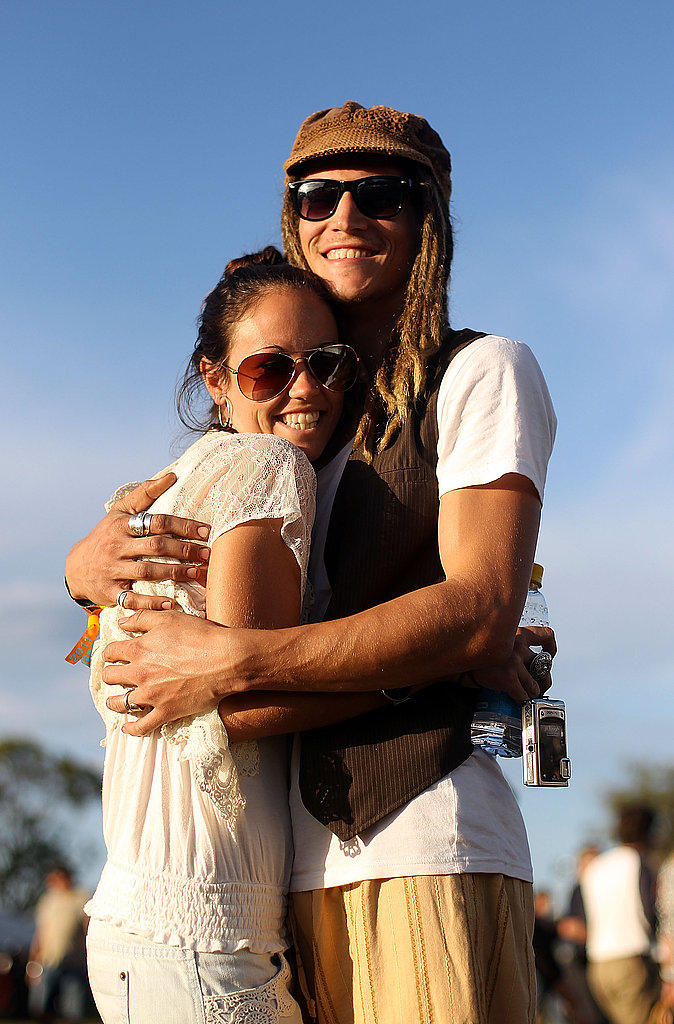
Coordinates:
x,y
267,257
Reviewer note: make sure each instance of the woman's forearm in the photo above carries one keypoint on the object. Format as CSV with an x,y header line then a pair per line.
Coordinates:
x,y
418,638
260,713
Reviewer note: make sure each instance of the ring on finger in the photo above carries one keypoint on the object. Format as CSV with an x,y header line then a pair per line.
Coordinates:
x,y
129,705
539,666
121,597
140,524
136,524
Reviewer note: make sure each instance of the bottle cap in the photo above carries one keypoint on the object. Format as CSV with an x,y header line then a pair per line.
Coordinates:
x,y
537,575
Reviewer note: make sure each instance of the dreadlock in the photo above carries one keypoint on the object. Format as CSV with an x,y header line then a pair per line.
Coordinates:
x,y
418,334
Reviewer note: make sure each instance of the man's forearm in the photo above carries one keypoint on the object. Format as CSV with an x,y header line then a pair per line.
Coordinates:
x,y
415,639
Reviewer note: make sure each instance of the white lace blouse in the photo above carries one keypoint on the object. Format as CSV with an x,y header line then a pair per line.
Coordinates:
x,y
198,832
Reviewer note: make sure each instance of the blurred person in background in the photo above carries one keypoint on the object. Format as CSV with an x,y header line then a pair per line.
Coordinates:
x,y
560,988
572,932
618,891
665,911
573,926
548,972
56,972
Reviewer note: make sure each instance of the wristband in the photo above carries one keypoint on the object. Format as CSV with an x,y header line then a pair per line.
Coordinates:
x,y
398,696
84,646
83,602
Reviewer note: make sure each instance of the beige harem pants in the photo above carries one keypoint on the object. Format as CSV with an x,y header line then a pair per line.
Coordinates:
x,y
448,949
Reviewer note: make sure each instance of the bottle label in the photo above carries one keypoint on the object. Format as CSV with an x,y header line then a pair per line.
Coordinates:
x,y
492,702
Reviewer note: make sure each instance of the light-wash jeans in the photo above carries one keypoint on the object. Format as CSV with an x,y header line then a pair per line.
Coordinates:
x,y
135,981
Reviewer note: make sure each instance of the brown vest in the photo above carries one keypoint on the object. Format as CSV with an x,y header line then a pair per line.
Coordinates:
x,y
383,542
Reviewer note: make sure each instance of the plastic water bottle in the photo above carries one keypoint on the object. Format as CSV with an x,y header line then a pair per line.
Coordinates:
x,y
497,722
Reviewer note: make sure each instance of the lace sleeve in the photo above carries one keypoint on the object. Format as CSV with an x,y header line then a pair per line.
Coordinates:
x,y
243,477
125,489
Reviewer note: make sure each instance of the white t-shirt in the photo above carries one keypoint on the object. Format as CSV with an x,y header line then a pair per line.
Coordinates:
x,y
60,924
616,923
198,832
495,416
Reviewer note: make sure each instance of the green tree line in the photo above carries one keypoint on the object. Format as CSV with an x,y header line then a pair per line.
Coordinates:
x,y
40,792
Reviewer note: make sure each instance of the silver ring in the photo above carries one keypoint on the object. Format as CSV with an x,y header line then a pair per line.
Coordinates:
x,y
147,523
136,524
131,708
539,666
121,597
140,524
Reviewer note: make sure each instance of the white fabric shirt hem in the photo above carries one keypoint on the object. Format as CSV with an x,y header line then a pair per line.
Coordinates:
x,y
469,821
194,913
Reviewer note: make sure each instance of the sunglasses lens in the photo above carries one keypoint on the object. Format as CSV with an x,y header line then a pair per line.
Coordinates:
x,y
265,375
380,198
317,200
334,366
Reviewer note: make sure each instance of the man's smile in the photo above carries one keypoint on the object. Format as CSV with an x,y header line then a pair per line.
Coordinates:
x,y
350,253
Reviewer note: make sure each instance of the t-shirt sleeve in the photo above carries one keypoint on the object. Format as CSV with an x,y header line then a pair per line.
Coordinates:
x,y
260,476
495,416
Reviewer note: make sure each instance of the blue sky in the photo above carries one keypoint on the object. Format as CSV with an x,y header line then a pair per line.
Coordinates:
x,y
142,149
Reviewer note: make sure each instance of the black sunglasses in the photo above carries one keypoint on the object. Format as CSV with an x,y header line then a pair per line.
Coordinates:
x,y
380,196
266,375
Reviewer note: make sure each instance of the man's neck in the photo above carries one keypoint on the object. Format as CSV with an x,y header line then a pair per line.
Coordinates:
x,y
368,327
641,848
369,330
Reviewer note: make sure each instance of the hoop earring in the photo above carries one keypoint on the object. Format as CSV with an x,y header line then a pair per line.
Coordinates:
x,y
227,425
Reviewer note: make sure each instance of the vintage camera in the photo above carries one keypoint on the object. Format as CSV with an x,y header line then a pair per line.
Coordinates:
x,y
544,758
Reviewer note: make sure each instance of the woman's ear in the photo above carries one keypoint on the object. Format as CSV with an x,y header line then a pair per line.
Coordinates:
x,y
214,380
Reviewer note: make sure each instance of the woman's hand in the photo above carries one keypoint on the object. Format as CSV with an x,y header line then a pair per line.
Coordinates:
x,y
108,559
513,676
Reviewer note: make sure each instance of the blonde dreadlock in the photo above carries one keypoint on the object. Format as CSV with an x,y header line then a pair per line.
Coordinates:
x,y
418,334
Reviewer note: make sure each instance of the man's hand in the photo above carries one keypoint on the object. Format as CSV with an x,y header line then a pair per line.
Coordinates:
x,y
512,677
176,664
110,557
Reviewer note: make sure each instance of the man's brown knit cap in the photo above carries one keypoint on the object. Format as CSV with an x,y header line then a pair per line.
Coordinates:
x,y
377,130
